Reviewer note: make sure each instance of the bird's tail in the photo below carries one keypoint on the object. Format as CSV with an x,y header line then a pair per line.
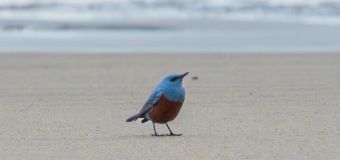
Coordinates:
x,y
133,118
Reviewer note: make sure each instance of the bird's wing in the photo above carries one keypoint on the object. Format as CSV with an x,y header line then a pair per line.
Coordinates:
x,y
153,99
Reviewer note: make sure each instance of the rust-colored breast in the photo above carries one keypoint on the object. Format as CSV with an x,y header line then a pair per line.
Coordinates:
x,y
165,110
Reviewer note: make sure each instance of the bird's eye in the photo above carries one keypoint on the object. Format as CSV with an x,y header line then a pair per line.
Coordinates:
x,y
173,79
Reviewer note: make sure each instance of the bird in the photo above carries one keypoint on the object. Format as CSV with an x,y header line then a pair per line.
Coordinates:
x,y
164,103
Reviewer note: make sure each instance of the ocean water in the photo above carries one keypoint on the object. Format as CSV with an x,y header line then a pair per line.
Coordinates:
x,y
158,26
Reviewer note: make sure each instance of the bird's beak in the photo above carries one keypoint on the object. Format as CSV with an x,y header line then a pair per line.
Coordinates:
x,y
184,74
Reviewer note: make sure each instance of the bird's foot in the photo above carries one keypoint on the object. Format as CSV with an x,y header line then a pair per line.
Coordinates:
x,y
157,135
173,134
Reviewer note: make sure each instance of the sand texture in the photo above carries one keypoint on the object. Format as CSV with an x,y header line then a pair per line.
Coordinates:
x,y
73,107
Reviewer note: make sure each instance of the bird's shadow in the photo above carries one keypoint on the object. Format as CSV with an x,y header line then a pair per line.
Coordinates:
x,y
164,136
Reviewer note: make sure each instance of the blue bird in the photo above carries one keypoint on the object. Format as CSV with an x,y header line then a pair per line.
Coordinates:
x,y
164,103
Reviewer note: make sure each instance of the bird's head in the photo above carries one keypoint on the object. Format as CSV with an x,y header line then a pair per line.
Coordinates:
x,y
174,79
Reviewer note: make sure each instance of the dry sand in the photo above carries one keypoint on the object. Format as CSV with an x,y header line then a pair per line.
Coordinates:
x,y
241,107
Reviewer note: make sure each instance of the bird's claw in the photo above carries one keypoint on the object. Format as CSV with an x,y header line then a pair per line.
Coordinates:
x,y
173,134
162,135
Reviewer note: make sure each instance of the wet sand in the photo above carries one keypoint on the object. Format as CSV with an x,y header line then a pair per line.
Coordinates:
x,y
240,107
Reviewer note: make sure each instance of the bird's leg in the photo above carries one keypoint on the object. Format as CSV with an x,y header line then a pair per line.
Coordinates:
x,y
171,133
154,129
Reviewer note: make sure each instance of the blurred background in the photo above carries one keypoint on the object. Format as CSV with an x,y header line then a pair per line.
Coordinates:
x,y
169,26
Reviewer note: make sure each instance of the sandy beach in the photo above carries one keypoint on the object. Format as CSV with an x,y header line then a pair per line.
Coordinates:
x,y
73,107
